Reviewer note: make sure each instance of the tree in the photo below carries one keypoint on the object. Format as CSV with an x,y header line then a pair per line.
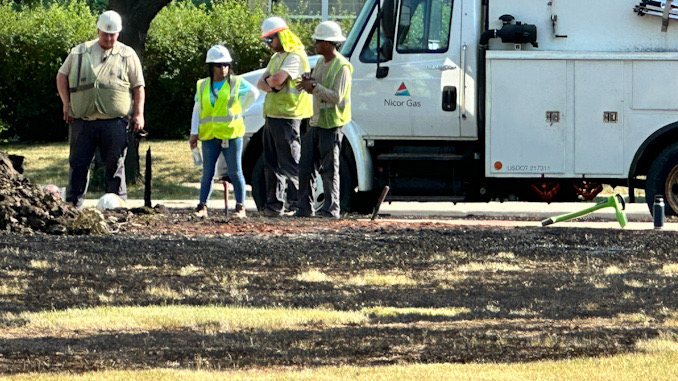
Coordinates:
x,y
136,19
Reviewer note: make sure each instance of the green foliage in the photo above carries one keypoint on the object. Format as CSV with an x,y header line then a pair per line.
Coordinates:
x,y
97,6
33,43
36,36
178,40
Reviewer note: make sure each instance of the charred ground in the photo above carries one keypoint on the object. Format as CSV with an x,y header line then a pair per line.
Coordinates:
x,y
528,293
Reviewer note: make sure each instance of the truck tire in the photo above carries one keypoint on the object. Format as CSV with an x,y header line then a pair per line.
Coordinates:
x,y
258,184
345,185
364,202
345,188
662,179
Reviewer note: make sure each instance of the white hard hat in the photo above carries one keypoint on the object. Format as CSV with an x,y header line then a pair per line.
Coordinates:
x,y
273,25
54,190
110,22
218,54
328,31
111,201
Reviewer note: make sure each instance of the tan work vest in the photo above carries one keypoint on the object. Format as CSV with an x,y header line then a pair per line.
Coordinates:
x,y
108,91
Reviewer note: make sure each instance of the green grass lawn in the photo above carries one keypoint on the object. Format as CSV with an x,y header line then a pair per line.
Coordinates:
x,y
630,367
656,358
174,175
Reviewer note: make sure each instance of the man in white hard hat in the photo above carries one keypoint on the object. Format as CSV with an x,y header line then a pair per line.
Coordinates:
x,y
330,84
284,108
101,86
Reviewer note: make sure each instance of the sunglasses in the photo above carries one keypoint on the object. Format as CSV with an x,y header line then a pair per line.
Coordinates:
x,y
268,40
220,64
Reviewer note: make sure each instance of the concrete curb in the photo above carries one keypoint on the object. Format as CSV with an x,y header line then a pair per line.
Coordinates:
x,y
528,210
531,210
498,214
671,227
181,204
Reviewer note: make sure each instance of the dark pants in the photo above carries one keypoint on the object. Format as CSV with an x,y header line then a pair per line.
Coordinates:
x,y
110,136
320,150
282,149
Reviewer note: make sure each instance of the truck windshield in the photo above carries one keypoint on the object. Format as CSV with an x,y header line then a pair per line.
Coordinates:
x,y
358,27
424,26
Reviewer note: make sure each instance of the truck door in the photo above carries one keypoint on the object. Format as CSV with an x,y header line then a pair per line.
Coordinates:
x,y
418,93
598,104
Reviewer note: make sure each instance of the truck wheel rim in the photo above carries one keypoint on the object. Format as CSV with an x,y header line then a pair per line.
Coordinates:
x,y
318,194
671,188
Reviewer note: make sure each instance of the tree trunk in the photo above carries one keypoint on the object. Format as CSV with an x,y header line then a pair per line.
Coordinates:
x,y
136,19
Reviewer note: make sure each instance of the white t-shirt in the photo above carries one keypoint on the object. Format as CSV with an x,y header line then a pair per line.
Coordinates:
x,y
293,66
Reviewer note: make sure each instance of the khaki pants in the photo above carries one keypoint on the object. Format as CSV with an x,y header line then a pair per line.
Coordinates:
x,y
320,149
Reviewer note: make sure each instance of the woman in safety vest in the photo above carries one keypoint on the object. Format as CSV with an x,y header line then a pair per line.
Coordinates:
x,y
220,100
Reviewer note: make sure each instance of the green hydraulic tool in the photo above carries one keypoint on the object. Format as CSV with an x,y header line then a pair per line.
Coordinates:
x,y
616,201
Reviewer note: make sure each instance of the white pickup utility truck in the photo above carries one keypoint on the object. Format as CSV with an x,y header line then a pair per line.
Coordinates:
x,y
474,100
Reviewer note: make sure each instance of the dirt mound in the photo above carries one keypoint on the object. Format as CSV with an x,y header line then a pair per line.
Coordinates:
x,y
27,208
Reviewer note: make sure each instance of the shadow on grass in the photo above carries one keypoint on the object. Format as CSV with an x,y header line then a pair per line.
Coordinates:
x,y
558,303
165,191
55,173
356,346
170,171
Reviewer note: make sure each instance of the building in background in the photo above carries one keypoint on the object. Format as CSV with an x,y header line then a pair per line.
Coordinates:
x,y
320,9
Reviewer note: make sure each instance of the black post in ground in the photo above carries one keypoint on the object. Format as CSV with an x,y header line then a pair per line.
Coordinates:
x,y
379,201
147,179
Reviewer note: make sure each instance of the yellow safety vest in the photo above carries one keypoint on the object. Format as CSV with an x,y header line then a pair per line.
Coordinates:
x,y
223,120
288,102
336,115
109,92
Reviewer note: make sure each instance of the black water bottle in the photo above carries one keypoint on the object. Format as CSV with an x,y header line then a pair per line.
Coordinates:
x,y
658,211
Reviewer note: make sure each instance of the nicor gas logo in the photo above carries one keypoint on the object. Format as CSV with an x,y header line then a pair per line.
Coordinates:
x,y
402,91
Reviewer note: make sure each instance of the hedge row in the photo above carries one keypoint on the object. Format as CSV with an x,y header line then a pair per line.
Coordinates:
x,y
35,41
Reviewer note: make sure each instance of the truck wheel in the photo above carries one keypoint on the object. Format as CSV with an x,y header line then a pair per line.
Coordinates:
x,y
364,202
345,188
345,185
662,179
258,183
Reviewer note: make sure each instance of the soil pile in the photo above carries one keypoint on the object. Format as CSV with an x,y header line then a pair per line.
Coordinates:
x,y
27,208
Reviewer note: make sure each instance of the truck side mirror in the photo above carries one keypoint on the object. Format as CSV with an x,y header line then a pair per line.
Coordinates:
x,y
382,71
387,17
386,49
385,22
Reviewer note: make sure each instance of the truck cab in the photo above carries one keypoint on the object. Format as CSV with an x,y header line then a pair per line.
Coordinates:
x,y
474,100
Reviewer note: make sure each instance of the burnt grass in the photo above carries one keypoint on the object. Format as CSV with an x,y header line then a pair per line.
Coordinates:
x,y
574,308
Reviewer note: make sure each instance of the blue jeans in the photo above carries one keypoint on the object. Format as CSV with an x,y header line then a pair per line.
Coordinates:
x,y
233,155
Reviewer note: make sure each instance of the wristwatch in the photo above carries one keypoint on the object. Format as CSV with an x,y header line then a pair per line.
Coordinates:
x,y
269,85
